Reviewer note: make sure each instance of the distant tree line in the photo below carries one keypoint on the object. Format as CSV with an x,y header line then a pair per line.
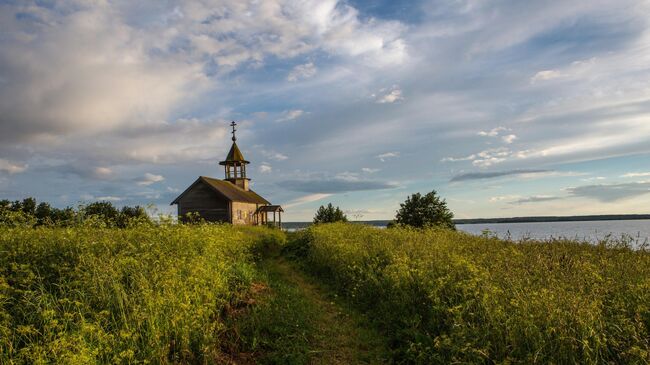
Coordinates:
x,y
28,213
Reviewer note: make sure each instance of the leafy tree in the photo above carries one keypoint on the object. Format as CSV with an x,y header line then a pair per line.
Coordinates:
x,y
29,206
103,210
425,211
44,213
64,217
329,214
130,215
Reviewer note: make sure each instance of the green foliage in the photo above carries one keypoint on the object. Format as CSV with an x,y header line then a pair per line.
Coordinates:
x,y
27,213
449,297
104,210
425,211
143,294
329,214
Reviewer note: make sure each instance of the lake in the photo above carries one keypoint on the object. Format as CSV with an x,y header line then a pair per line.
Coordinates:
x,y
591,231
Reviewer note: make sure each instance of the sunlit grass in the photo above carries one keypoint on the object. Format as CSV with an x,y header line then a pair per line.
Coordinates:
x,y
446,297
145,294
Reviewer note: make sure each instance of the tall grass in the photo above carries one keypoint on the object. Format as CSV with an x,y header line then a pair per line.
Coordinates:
x,y
151,294
448,297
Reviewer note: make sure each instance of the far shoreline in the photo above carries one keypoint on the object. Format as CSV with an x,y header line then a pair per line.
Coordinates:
x,y
533,219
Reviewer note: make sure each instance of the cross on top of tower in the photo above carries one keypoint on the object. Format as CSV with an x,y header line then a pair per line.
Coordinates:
x,y
233,125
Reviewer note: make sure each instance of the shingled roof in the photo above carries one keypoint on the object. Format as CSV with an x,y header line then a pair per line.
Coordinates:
x,y
228,190
234,155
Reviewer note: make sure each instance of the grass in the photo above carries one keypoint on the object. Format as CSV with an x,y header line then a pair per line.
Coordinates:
x,y
299,321
147,294
448,297
335,294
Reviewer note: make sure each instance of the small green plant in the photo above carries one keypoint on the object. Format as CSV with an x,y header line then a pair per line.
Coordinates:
x,y
329,214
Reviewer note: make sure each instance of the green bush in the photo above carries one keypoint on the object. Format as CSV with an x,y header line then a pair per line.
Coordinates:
x,y
448,297
422,211
329,214
146,293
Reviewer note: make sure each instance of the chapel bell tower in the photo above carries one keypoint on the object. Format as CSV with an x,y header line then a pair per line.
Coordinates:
x,y
235,165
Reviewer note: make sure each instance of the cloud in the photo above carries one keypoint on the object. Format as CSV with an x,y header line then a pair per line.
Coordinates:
x,y
545,76
389,96
609,193
305,199
388,155
76,78
300,72
293,114
509,138
494,174
493,132
109,198
102,173
637,174
11,167
496,199
149,179
265,168
369,170
536,199
335,185
276,156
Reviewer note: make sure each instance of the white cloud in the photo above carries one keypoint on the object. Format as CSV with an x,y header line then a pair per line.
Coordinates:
x,y
293,114
594,178
265,168
369,170
509,138
388,155
273,155
493,132
102,173
108,198
149,179
11,167
496,199
84,79
306,199
389,96
637,174
546,75
301,72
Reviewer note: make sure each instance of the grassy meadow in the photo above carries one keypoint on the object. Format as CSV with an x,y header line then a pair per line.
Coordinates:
x,y
145,294
334,293
447,297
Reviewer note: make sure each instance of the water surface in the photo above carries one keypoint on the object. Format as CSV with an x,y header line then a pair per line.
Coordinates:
x,y
591,231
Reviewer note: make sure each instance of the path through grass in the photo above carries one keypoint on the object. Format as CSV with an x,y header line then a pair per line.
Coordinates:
x,y
298,321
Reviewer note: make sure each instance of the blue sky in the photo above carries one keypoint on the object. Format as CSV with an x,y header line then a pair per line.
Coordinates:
x,y
506,108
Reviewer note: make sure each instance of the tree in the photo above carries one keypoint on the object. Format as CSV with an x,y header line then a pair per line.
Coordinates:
x,y
425,211
44,213
105,211
29,206
129,215
329,214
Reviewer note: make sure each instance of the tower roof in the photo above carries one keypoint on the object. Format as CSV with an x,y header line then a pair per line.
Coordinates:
x,y
234,155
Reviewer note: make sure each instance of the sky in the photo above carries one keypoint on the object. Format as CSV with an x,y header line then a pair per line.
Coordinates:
x,y
505,108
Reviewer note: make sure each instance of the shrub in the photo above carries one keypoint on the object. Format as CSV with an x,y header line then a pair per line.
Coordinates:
x,y
425,211
329,214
